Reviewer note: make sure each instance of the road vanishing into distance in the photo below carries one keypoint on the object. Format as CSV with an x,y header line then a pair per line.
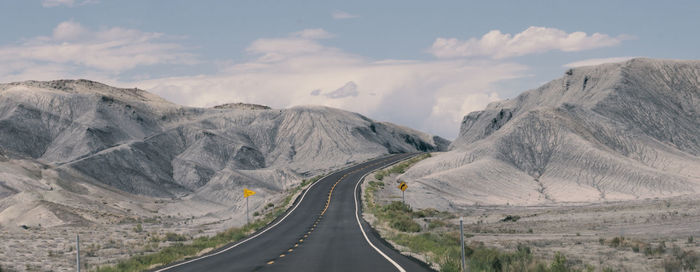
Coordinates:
x,y
322,231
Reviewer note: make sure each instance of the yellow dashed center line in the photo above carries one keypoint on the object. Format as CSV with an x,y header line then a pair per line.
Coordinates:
x,y
328,203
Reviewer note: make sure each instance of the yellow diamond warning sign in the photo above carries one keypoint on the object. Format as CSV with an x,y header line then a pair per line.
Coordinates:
x,y
403,186
247,193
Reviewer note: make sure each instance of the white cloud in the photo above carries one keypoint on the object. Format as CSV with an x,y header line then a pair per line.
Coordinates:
x,y
111,50
427,95
69,30
282,72
590,62
341,15
313,33
497,45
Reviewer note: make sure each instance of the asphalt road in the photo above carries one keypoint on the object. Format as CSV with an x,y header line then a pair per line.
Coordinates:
x,y
319,233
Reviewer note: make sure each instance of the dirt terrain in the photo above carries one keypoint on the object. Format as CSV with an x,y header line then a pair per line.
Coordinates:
x,y
53,248
638,235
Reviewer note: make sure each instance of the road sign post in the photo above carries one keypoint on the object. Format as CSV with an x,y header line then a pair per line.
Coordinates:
x,y
461,239
246,194
77,252
403,188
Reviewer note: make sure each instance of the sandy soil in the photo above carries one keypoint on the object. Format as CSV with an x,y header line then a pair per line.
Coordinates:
x,y
53,249
577,230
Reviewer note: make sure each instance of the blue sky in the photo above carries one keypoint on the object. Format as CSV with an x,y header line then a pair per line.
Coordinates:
x,y
422,64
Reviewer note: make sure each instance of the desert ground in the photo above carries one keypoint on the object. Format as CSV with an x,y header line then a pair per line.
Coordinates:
x,y
53,248
638,235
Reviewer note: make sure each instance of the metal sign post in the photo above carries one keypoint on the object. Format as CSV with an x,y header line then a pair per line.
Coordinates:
x,y
403,186
246,194
77,251
461,239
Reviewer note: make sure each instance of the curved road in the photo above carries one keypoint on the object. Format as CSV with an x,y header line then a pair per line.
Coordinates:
x,y
323,231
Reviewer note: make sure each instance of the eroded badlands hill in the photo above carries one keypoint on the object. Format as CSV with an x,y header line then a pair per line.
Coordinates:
x,y
609,132
69,145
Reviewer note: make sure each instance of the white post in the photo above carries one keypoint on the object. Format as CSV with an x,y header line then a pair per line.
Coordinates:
x,y
77,251
246,211
461,239
403,197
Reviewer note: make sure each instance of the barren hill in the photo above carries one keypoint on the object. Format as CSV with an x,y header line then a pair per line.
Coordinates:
x,y
69,145
609,132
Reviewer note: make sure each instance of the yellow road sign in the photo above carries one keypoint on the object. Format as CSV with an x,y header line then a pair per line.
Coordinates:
x,y
403,186
247,193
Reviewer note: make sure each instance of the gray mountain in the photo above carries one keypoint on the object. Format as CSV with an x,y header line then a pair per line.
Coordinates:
x,y
609,132
84,137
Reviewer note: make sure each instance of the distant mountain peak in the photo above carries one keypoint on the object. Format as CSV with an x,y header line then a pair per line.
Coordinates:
x,y
242,106
137,142
84,86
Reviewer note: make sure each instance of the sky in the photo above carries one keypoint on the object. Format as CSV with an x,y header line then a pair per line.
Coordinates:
x,y
421,64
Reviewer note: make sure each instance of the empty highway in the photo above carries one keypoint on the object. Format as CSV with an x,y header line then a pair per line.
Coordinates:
x,y
323,231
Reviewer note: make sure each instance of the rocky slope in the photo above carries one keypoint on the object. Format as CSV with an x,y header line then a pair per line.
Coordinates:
x,y
609,132
69,144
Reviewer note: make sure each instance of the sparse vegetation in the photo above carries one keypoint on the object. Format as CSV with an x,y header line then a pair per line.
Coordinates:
x,y
400,217
174,237
511,218
401,167
681,260
443,246
379,175
183,246
138,228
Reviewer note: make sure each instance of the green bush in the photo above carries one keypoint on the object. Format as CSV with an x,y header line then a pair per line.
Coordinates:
x,y
400,217
635,248
559,263
430,212
661,248
511,218
398,207
436,223
174,237
379,175
138,228
376,184
617,241
405,224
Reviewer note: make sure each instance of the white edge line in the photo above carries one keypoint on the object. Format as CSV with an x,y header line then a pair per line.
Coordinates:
x,y
259,233
357,216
